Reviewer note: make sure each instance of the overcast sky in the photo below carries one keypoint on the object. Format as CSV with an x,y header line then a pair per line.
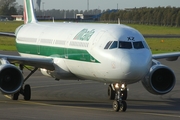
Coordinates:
x,y
104,4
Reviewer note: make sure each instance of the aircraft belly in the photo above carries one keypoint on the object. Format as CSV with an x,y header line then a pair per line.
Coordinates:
x,y
94,71
80,68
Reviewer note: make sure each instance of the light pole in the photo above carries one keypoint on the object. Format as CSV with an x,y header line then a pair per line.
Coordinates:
x,y
88,5
43,8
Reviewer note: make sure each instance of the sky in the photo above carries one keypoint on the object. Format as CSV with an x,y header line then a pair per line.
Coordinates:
x,y
103,4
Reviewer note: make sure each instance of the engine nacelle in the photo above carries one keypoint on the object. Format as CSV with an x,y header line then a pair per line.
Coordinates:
x,y
160,80
11,79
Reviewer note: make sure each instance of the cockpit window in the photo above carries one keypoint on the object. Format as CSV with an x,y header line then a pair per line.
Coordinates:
x,y
108,44
125,45
145,45
114,45
138,45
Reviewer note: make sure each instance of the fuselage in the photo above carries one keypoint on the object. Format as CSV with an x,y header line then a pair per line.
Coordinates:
x,y
103,52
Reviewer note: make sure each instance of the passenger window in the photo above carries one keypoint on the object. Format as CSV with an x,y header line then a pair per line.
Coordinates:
x,y
114,45
138,45
125,45
108,44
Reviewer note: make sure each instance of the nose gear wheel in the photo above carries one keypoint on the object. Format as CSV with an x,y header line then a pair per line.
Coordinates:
x,y
119,103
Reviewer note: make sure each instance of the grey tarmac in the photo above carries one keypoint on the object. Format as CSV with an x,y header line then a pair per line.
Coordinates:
x,y
87,100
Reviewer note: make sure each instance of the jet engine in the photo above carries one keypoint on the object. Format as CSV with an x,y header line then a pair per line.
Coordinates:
x,y
160,79
11,78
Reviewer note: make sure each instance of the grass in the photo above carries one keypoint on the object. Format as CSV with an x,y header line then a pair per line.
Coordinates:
x,y
8,43
9,26
161,45
157,45
150,29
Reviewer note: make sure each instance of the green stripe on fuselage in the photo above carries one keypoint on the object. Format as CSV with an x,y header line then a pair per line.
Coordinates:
x,y
67,53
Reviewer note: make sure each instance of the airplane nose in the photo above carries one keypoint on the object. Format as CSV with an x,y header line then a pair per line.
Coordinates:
x,y
135,66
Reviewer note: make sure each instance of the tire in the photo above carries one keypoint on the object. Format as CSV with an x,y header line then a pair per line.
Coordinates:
x,y
116,106
27,92
123,106
111,93
15,96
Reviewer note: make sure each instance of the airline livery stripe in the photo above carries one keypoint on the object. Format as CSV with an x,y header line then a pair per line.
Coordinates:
x,y
70,53
28,8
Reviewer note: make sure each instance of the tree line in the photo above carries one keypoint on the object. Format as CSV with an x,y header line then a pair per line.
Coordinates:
x,y
7,7
164,16
59,14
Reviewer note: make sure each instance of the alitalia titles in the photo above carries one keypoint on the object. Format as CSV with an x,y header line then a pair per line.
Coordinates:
x,y
84,35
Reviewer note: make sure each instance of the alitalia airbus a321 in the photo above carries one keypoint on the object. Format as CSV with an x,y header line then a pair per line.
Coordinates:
x,y
110,53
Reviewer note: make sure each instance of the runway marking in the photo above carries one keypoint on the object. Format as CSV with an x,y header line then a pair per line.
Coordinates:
x,y
89,108
63,85
50,105
7,96
45,104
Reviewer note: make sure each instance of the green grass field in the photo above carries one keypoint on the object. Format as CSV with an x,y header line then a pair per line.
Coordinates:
x,y
9,26
157,45
149,29
161,45
8,43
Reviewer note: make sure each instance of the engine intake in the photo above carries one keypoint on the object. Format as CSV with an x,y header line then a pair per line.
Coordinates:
x,y
11,79
160,80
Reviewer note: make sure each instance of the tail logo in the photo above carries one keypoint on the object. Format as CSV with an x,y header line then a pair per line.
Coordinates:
x,y
29,16
25,17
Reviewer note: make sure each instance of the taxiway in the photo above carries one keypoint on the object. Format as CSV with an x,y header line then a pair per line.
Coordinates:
x,y
87,100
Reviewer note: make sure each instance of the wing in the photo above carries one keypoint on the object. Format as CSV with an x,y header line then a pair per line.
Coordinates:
x,y
46,63
9,34
169,56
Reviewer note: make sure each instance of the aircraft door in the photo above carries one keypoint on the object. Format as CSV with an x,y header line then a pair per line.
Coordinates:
x,y
67,46
95,44
38,46
66,50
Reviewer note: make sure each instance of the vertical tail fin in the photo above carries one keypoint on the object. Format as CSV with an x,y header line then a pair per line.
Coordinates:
x,y
29,16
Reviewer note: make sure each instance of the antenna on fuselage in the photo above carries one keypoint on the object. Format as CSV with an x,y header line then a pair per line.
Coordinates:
x,y
119,21
53,19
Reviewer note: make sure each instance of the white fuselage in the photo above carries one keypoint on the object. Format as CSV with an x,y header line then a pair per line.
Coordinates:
x,y
81,50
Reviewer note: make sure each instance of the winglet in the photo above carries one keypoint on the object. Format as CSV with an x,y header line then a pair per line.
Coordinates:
x,y
29,16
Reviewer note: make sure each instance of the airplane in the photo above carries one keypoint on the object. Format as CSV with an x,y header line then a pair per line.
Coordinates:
x,y
115,54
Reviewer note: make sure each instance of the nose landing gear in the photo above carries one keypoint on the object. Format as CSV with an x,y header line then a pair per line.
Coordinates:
x,y
119,106
119,103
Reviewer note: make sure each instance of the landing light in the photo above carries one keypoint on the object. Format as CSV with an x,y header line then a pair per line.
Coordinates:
x,y
120,86
123,86
117,86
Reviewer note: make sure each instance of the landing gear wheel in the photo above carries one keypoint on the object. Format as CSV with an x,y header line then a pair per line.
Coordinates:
x,y
111,93
27,92
116,106
123,106
15,96
119,106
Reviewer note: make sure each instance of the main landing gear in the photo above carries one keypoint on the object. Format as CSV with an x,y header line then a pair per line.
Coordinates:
x,y
118,93
26,90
